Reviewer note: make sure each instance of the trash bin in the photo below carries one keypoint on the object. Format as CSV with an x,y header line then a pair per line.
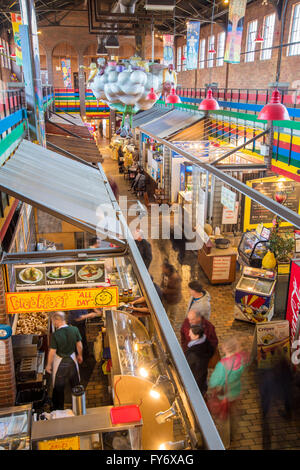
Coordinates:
x,y
78,400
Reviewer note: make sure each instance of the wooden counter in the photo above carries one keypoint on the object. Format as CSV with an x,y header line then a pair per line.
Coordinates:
x,y
220,265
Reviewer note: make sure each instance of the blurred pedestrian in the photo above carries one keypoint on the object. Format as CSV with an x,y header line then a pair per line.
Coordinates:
x,y
275,387
144,247
199,351
199,300
114,187
225,388
195,317
171,289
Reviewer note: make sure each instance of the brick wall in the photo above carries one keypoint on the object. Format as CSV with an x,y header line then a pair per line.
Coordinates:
x,y
7,370
257,74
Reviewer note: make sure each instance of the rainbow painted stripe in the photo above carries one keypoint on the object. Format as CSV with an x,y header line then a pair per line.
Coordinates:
x,y
67,100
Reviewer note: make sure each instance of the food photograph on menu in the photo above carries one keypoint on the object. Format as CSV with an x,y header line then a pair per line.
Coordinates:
x,y
90,273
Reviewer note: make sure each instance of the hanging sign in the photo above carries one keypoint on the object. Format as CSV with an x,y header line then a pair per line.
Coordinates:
x,y
228,198
237,9
193,33
16,20
72,299
229,216
168,45
67,443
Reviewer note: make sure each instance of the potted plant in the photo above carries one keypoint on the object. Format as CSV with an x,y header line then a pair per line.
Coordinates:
x,y
282,244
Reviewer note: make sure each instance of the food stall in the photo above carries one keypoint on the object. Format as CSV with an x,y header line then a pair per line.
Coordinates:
x,y
254,295
219,261
253,246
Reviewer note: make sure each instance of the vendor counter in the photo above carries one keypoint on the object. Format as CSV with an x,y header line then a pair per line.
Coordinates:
x,y
219,265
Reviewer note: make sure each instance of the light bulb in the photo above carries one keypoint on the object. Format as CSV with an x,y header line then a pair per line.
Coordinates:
x,y
155,394
143,372
162,447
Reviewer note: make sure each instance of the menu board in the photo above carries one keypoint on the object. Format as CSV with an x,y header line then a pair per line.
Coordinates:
x,y
30,276
259,214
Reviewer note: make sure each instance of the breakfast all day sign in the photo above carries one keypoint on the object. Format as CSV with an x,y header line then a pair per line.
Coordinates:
x,y
71,299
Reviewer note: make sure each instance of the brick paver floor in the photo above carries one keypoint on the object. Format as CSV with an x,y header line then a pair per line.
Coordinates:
x,y
248,434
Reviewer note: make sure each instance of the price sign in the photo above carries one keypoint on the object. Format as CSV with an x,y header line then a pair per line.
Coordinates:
x,y
68,443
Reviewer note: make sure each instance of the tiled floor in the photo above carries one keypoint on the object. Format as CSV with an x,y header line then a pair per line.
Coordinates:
x,y
248,435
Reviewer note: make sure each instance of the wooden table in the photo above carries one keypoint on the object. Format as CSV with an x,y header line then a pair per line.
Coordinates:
x,y
219,265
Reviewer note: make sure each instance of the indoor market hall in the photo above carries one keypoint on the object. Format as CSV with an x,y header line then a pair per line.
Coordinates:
x,y
150,228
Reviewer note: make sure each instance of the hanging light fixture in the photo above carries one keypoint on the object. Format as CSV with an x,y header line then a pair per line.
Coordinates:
x,y
259,38
275,110
112,42
172,98
209,103
152,96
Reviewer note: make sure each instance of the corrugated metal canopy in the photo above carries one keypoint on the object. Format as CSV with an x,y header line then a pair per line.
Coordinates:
x,y
62,187
170,123
148,116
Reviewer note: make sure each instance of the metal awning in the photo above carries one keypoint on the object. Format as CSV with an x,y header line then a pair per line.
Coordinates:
x,y
67,189
150,115
171,123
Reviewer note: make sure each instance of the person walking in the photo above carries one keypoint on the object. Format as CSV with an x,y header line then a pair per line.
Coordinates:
x,y
195,317
199,351
78,318
62,362
225,388
199,299
144,247
171,289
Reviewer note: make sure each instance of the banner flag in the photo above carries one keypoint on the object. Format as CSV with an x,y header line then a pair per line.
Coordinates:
x,y
168,43
16,20
66,70
193,33
237,9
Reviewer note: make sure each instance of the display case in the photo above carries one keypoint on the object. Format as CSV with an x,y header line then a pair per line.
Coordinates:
x,y
136,367
93,431
254,296
15,428
122,275
253,247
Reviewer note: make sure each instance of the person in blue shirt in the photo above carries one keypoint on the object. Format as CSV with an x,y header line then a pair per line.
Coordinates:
x,y
78,318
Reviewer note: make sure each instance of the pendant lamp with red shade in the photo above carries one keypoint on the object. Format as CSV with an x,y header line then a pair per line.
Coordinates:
x,y
209,103
152,96
172,98
275,110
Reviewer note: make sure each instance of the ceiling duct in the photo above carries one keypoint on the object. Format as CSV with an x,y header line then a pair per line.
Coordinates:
x,y
163,5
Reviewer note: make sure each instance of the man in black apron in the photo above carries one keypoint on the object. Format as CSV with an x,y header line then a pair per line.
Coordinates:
x,y
62,361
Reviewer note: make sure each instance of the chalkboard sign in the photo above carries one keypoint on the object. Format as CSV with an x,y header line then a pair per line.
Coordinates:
x,y
259,214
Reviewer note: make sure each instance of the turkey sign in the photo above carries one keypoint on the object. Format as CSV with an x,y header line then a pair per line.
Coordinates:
x,y
293,303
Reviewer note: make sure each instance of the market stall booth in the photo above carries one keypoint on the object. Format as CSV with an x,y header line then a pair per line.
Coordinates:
x,y
104,278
